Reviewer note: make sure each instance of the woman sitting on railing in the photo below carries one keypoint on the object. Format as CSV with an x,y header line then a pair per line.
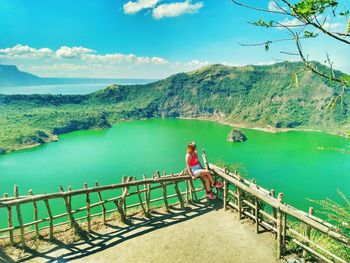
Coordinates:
x,y
195,169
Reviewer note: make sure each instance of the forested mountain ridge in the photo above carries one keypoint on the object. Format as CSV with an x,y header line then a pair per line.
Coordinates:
x,y
252,95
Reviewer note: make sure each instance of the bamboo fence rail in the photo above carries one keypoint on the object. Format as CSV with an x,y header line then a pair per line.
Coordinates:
x,y
247,197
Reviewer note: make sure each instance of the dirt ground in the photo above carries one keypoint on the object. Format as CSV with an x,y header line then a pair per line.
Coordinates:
x,y
198,233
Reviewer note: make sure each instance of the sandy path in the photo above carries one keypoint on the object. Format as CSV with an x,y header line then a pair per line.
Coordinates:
x,y
215,236
200,233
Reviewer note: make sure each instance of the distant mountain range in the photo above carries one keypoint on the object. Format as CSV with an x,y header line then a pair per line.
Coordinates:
x,y
253,96
10,75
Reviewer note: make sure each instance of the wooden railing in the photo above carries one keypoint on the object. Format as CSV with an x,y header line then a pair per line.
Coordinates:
x,y
130,187
252,201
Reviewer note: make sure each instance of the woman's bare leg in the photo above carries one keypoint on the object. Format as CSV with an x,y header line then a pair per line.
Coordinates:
x,y
208,174
206,181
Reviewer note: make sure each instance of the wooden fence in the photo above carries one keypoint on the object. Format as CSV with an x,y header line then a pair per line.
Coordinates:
x,y
252,201
249,199
130,187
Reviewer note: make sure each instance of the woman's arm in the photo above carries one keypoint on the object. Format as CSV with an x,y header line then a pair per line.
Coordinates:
x,y
188,158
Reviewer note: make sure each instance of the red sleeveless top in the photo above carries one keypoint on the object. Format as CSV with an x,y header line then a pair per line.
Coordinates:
x,y
194,159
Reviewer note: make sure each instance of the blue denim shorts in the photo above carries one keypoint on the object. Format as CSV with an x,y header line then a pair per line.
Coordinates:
x,y
196,170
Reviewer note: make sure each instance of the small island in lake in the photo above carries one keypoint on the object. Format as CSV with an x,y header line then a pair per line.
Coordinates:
x,y
236,136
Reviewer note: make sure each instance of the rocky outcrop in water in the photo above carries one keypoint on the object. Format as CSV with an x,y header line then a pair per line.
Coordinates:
x,y
236,136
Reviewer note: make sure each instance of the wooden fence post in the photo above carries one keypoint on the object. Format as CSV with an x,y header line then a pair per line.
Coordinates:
x,y
205,160
35,209
256,210
274,211
192,191
73,223
124,179
88,209
9,221
103,208
308,231
147,195
69,197
178,193
121,203
225,191
239,203
19,216
279,228
284,233
46,201
140,198
164,193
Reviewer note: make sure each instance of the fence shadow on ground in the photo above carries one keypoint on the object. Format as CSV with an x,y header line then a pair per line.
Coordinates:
x,y
96,242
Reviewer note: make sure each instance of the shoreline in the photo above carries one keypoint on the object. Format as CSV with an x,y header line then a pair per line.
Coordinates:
x,y
269,129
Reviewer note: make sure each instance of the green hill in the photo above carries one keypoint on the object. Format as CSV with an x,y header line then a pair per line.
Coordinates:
x,y
253,95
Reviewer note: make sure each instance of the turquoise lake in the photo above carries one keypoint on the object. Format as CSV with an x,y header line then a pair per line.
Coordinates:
x,y
288,162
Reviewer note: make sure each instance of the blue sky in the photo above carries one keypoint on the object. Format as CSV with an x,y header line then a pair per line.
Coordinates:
x,y
139,38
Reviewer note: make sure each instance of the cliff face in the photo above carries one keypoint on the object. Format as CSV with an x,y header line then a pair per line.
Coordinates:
x,y
254,95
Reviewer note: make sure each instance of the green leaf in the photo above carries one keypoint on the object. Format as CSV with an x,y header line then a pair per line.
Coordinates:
x,y
263,23
309,34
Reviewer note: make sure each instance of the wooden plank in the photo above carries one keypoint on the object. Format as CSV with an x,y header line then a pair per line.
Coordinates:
x,y
192,192
239,203
225,192
284,233
274,211
230,192
309,243
88,209
205,160
178,193
35,210
74,224
103,208
164,190
140,198
264,213
298,214
120,204
29,199
124,179
9,222
308,231
19,217
256,214
47,205
311,251
147,195
279,229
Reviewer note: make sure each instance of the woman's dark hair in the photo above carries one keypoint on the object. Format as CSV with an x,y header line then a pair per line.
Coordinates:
x,y
191,146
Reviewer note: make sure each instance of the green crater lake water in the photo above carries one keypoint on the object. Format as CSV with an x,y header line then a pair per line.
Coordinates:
x,y
287,162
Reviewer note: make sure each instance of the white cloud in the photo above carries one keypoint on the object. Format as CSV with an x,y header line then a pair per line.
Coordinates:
x,y
329,26
294,22
197,64
289,22
24,51
176,9
85,62
135,7
72,52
